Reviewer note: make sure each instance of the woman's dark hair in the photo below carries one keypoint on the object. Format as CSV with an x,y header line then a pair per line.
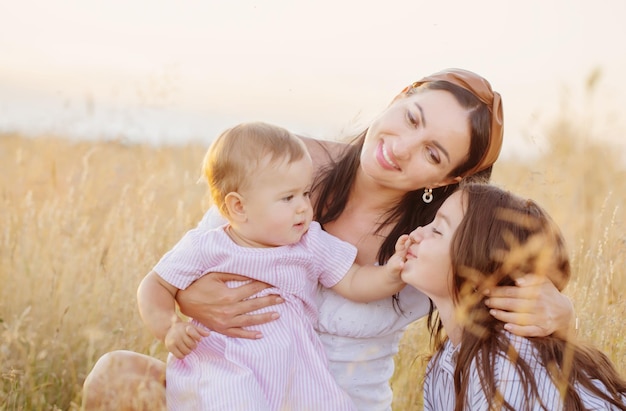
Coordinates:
x,y
500,238
332,185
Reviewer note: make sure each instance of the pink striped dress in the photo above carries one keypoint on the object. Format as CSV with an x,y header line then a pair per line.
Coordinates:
x,y
286,369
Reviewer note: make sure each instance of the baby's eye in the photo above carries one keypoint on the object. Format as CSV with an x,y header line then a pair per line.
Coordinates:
x,y
287,198
307,194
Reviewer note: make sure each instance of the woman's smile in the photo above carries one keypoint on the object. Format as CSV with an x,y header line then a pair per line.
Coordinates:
x,y
385,158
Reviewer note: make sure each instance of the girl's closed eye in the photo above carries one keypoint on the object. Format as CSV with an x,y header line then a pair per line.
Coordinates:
x,y
435,231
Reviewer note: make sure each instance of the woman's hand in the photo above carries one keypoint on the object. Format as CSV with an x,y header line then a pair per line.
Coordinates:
x,y
534,308
226,310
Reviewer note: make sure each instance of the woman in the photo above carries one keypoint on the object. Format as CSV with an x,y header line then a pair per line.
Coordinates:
x,y
484,236
390,179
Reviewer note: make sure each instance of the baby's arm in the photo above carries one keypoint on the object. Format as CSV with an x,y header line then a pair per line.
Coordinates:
x,y
157,307
371,283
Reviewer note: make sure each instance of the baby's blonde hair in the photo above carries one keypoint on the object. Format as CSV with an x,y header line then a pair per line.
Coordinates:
x,y
238,152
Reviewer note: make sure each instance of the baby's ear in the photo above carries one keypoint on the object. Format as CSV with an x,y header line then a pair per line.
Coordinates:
x,y
235,206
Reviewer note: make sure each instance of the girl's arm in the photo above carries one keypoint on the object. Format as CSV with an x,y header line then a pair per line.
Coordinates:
x,y
535,308
371,283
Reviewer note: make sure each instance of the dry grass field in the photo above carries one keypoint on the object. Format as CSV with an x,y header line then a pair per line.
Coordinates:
x,y
82,222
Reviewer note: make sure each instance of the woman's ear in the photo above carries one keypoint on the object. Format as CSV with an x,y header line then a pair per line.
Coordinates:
x,y
448,181
235,206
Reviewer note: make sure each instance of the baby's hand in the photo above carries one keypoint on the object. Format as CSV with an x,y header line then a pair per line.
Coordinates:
x,y
183,337
396,262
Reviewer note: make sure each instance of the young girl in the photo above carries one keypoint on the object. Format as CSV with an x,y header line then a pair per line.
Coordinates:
x,y
260,178
481,237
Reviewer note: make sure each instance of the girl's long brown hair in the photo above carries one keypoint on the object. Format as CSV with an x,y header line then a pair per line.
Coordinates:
x,y
500,238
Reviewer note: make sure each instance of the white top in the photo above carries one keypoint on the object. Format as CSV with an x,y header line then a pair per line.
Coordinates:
x,y
439,384
360,339
287,369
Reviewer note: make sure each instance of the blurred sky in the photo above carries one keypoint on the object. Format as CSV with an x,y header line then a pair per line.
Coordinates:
x,y
166,71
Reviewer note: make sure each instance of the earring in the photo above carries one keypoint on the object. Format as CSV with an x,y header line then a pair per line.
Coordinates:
x,y
427,197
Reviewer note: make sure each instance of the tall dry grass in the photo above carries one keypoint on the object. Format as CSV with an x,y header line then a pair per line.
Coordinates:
x,y
81,225
83,222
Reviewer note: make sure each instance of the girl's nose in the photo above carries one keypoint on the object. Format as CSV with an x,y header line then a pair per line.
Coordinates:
x,y
417,235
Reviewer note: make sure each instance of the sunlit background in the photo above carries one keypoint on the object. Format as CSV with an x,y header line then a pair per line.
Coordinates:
x,y
82,222
171,72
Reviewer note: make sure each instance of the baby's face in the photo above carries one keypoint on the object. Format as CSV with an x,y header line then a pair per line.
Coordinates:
x,y
278,204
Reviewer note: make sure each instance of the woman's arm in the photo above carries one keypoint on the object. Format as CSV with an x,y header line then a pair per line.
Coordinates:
x,y
535,308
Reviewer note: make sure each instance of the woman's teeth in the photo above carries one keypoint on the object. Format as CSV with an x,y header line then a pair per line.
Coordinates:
x,y
387,158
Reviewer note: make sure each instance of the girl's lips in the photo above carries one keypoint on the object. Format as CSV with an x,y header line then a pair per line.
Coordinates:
x,y
410,254
384,158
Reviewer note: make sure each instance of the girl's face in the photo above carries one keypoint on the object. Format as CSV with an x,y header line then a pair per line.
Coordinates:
x,y
277,204
428,266
417,141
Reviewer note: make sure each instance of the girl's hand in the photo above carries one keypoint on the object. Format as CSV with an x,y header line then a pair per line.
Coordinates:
x,y
183,337
534,308
225,310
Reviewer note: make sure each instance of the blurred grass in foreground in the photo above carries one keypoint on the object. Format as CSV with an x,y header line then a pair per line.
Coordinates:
x,y
83,222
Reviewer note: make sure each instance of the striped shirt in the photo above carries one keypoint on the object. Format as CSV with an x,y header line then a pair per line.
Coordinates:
x,y
286,369
439,383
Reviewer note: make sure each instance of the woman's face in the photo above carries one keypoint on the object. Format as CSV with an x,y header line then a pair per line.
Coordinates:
x,y
428,266
417,141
